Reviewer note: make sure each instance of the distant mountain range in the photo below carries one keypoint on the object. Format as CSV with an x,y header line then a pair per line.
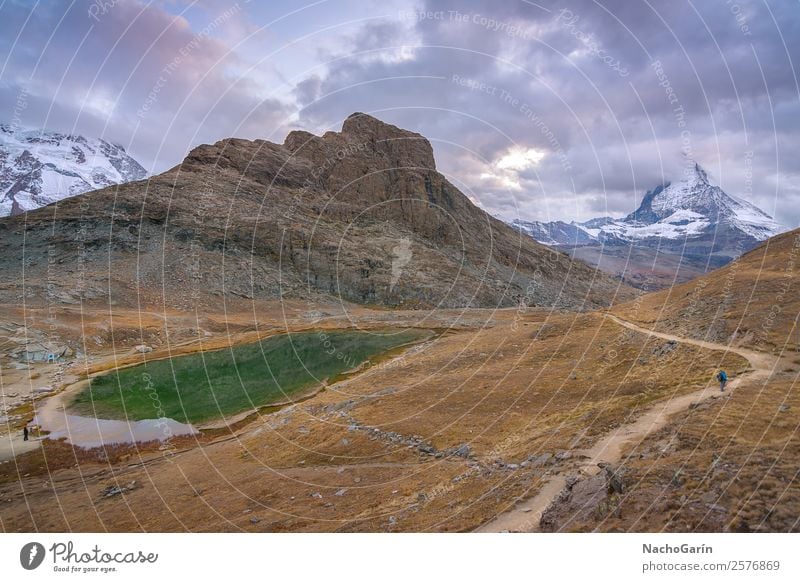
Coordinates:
x,y
693,225
679,231
39,167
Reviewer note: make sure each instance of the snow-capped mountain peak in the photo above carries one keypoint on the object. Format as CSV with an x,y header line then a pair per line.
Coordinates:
x,y
710,203
39,167
690,209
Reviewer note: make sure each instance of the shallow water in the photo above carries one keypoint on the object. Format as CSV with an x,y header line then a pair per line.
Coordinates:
x,y
94,432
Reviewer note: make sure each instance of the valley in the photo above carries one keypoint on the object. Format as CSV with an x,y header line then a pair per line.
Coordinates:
x,y
374,353
454,432
479,273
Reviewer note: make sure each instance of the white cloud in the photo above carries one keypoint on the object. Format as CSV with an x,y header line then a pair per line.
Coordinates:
x,y
520,158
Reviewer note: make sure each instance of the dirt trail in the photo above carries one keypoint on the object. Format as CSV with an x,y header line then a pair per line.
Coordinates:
x,y
12,445
760,361
525,516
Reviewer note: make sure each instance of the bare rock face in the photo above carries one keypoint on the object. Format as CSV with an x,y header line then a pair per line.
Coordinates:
x,y
360,215
586,500
403,148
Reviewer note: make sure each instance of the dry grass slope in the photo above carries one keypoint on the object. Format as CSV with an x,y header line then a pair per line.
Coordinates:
x,y
385,451
751,302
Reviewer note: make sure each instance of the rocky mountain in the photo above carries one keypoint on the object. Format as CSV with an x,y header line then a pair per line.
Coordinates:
x,y
688,227
40,167
360,215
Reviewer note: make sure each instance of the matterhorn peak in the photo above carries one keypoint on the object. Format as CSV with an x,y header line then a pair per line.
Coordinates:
x,y
689,209
699,173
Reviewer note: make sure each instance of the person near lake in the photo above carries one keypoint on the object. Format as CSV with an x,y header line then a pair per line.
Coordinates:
x,y
25,433
723,380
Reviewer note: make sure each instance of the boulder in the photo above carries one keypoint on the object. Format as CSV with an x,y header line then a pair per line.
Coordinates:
x,y
540,460
115,490
615,479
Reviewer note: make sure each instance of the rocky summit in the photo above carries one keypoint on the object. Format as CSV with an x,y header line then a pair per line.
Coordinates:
x,y
361,215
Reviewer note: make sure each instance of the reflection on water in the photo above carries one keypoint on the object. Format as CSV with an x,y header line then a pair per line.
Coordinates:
x,y
94,432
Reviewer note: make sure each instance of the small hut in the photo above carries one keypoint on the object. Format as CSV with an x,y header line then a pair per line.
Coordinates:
x,y
40,352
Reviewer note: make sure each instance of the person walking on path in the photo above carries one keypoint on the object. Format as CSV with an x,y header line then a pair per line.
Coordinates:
x,y
723,380
25,433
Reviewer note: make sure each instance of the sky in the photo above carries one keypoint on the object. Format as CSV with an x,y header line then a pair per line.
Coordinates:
x,y
536,110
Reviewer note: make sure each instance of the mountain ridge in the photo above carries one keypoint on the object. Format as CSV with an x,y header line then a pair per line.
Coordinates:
x,y
40,167
314,216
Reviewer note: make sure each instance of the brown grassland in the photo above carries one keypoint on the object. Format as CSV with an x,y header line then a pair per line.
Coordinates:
x,y
460,429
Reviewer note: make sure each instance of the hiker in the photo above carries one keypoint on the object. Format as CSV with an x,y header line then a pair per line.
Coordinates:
x,y
25,433
723,380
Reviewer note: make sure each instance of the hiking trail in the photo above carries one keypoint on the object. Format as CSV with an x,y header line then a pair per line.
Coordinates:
x,y
525,515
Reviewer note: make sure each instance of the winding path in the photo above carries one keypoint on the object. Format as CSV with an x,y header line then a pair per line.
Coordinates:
x,y
525,516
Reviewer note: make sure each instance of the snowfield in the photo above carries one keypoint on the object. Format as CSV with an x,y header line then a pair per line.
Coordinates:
x,y
41,167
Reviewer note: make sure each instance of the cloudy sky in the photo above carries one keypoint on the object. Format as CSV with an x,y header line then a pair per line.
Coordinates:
x,y
537,110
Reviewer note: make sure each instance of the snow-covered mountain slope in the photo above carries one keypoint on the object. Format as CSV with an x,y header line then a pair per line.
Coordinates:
x,y
689,210
554,233
697,205
40,167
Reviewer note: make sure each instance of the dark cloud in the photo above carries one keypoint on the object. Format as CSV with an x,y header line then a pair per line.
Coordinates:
x,y
134,74
577,79
573,80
